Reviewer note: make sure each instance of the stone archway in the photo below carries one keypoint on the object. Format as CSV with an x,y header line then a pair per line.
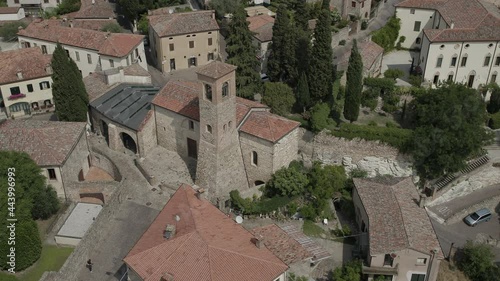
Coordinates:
x,y
128,142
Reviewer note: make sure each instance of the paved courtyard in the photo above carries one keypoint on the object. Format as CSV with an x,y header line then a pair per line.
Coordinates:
x,y
399,60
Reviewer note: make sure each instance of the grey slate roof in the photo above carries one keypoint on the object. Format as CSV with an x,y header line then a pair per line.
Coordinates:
x,y
126,104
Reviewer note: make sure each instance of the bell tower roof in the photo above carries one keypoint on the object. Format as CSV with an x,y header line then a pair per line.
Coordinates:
x,y
216,69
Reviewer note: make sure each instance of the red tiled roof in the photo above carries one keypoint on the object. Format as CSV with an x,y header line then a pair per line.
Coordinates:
x,y
110,44
96,85
180,97
243,106
101,9
216,69
268,126
9,10
396,222
207,245
473,20
30,61
283,246
135,70
48,143
262,26
166,24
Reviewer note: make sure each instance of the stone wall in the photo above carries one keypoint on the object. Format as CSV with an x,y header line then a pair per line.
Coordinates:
x,y
100,161
77,161
147,135
115,131
285,150
151,179
264,168
343,34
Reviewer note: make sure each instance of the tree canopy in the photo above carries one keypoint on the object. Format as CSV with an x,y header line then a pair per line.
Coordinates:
x,y
477,262
320,114
223,7
321,67
288,181
279,97
449,129
354,84
33,200
350,271
303,97
8,31
70,96
112,27
241,52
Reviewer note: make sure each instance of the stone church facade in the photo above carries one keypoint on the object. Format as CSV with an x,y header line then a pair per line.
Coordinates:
x,y
233,143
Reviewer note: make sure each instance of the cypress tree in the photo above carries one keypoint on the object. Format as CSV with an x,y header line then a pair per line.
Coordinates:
x,y
303,52
325,5
241,52
68,90
354,84
320,72
281,63
303,96
301,15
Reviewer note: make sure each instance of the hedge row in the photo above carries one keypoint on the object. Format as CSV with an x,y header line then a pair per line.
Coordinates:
x,y
495,121
396,137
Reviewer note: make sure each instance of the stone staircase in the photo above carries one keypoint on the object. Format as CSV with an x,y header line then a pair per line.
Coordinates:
x,y
471,166
318,253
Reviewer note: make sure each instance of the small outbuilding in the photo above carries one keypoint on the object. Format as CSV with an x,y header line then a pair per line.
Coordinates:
x,y
77,224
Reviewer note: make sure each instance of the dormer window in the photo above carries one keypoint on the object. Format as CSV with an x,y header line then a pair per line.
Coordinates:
x,y
208,92
225,89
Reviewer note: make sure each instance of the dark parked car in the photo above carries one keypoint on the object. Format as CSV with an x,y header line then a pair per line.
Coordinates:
x,y
478,217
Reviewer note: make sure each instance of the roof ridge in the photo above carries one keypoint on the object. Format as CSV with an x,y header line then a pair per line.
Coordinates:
x,y
400,211
270,127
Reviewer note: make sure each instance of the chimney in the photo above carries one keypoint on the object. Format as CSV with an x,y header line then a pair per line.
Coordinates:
x,y
48,69
167,277
71,23
19,75
259,242
93,2
169,231
421,202
199,192
452,25
20,28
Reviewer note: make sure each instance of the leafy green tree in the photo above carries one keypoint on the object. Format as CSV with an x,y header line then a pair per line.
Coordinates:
x,y
394,73
325,181
3,3
293,277
354,84
130,8
8,31
320,114
241,52
351,271
325,5
320,69
29,189
68,6
449,128
494,104
112,27
289,181
223,7
477,261
302,93
281,65
301,15
386,36
70,96
279,97
143,24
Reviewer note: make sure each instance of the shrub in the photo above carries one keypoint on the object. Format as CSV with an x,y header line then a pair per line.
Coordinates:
x,y
372,123
112,27
364,25
342,42
394,73
400,41
369,98
386,36
385,84
358,173
9,30
494,122
415,80
396,137
320,117
476,261
390,124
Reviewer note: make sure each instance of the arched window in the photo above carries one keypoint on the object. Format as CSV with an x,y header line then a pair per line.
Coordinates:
x,y
436,78
209,129
450,76
230,124
225,127
463,62
225,89
487,60
470,81
255,158
208,92
418,40
439,61
454,60
493,78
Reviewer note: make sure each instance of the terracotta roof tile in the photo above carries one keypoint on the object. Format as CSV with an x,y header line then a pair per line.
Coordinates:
x,y
268,126
396,222
207,245
110,44
473,20
48,143
165,24
135,70
9,10
216,69
96,85
262,26
283,246
182,97
30,61
100,9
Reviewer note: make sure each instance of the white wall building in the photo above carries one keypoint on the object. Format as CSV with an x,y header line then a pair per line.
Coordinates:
x,y
33,7
25,82
11,13
459,40
91,50
262,28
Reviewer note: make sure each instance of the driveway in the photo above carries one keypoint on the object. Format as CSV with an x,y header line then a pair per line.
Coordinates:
x,y
399,60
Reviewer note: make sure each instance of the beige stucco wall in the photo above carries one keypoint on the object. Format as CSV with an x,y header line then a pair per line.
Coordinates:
x,y
173,131
80,56
426,17
37,95
56,183
406,261
160,48
476,53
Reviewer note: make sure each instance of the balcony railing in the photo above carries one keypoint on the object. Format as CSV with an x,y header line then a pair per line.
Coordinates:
x,y
16,96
